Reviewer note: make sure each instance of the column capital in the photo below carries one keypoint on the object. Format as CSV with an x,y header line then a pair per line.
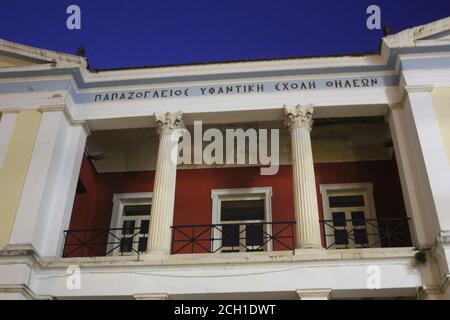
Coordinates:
x,y
169,121
299,116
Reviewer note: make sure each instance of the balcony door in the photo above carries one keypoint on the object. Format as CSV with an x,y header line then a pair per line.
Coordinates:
x,y
130,223
242,225
241,218
349,214
134,228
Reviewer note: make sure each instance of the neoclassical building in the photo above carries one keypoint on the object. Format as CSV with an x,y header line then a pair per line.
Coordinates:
x,y
94,202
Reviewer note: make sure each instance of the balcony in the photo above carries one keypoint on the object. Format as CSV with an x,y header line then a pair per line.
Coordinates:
x,y
207,238
105,242
239,237
233,237
366,233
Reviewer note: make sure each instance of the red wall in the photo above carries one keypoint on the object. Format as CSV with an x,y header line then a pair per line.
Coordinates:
x,y
193,203
383,174
81,212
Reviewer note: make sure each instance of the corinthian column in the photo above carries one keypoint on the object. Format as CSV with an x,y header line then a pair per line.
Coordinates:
x,y
299,121
169,130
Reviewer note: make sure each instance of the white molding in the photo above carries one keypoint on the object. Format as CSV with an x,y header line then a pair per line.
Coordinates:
x,y
419,88
44,102
16,292
238,191
32,100
346,186
437,78
343,271
121,199
7,124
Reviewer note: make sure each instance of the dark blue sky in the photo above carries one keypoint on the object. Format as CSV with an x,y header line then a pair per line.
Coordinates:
x,y
119,33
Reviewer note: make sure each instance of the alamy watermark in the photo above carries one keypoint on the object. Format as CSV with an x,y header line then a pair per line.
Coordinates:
x,y
73,21
374,20
234,147
374,279
74,279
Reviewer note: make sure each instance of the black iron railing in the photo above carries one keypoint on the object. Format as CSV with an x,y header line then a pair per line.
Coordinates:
x,y
104,242
366,233
233,237
239,237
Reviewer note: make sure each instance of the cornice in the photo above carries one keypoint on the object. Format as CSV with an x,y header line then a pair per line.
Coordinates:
x,y
418,88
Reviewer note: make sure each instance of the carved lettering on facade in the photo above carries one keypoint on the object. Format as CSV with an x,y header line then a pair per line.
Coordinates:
x,y
237,89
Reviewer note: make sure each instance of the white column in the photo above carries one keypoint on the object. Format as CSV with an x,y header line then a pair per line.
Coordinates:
x,y
433,157
299,121
314,294
425,175
412,174
7,123
47,198
161,217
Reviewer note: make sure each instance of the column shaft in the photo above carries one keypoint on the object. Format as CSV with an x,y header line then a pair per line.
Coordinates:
x,y
433,161
299,122
161,216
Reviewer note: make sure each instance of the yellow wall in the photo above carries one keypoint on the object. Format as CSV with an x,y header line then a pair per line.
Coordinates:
x,y
15,167
6,62
441,102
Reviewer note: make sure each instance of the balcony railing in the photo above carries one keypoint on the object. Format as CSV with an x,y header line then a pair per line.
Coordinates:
x,y
233,237
366,233
238,237
104,242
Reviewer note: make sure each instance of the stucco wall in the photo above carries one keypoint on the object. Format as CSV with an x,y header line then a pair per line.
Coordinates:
x,y
15,167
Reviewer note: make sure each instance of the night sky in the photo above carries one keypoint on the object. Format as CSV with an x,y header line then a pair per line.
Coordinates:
x,y
121,33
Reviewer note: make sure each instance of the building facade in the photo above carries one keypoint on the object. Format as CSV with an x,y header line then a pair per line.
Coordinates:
x,y
308,178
